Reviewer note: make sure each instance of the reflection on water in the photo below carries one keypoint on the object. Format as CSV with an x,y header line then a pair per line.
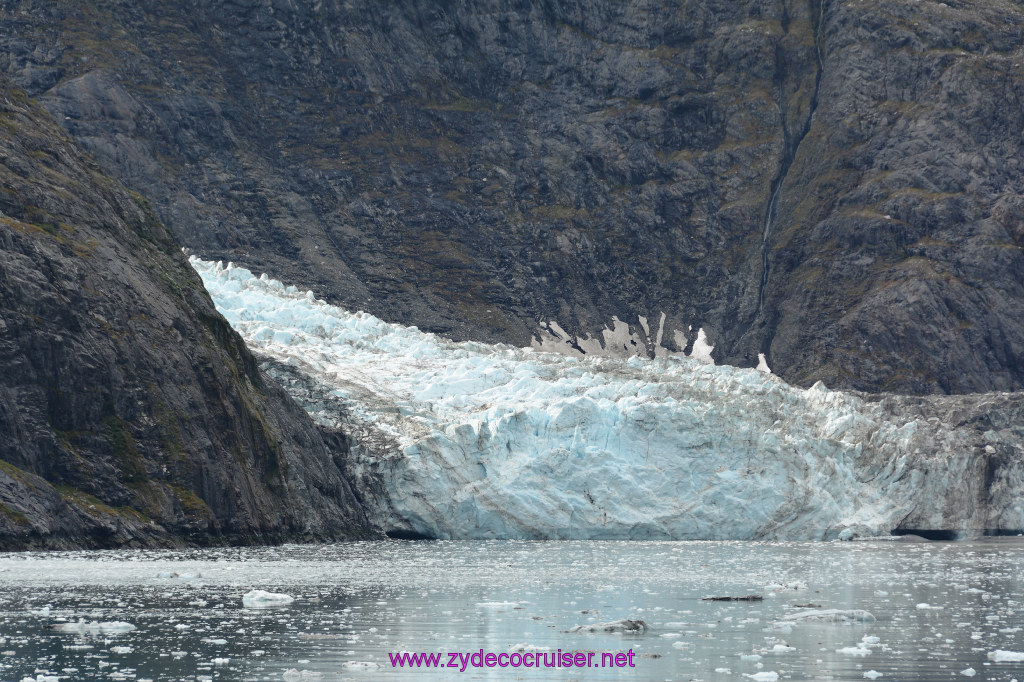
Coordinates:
x,y
941,610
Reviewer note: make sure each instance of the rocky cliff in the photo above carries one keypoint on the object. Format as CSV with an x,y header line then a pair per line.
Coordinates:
x,y
834,184
130,413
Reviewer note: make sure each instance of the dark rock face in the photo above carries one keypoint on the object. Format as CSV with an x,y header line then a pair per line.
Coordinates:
x,y
130,413
836,184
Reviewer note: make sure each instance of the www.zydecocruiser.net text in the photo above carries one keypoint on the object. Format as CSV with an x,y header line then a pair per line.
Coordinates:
x,y
462,661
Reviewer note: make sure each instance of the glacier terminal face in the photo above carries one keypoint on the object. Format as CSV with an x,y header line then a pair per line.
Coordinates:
x,y
470,440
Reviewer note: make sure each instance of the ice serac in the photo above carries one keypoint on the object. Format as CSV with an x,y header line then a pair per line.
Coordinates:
x,y
130,413
469,440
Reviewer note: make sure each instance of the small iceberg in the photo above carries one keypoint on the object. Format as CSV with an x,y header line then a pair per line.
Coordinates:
x,y
623,627
854,651
830,616
767,676
259,599
1000,656
83,627
523,647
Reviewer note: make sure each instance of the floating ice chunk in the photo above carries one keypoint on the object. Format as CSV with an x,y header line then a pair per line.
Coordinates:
x,y
523,647
766,676
215,640
854,651
872,674
778,587
1000,656
497,604
45,611
625,626
762,364
830,616
358,665
258,599
870,639
83,627
923,606
221,661
782,649
968,672
115,626
122,649
750,658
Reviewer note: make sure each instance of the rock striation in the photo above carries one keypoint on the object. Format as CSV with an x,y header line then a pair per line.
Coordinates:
x,y
130,413
836,185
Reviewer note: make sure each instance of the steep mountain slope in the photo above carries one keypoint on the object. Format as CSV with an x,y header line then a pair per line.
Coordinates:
x,y
835,184
130,412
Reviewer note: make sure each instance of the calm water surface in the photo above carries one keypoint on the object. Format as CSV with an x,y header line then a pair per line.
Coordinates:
x,y
940,610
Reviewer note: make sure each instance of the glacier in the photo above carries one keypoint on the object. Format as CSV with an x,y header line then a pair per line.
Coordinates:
x,y
473,441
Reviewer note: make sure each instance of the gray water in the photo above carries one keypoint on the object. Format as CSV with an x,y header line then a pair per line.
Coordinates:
x,y
940,609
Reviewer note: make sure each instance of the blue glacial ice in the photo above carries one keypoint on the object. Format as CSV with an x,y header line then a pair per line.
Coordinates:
x,y
470,440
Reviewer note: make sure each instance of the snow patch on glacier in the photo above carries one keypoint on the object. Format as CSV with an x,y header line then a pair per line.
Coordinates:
x,y
470,440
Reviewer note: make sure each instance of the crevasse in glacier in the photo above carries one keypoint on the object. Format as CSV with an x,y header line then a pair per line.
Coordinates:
x,y
468,440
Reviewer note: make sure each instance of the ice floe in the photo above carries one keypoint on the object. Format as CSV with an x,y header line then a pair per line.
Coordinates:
x,y
854,651
766,676
1000,656
84,627
626,626
255,599
829,616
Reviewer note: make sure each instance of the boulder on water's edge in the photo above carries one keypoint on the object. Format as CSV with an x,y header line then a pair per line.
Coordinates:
x,y
130,413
